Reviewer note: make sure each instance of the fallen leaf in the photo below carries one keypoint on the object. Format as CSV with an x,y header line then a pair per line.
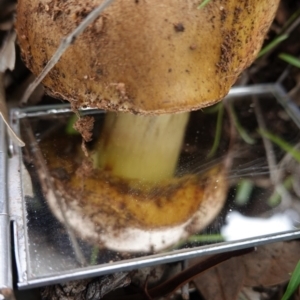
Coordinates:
x,y
271,264
221,282
267,266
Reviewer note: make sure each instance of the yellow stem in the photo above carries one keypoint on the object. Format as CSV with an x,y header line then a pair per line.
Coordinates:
x,y
140,147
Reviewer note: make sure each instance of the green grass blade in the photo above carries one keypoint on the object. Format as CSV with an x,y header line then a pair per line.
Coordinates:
x,y
292,60
218,132
203,4
282,144
275,198
94,255
69,128
293,284
206,238
241,130
292,18
212,109
199,238
243,193
272,44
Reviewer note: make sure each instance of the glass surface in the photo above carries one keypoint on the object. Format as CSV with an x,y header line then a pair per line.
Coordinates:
x,y
240,158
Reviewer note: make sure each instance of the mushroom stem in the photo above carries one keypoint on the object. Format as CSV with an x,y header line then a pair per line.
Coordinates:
x,y
143,147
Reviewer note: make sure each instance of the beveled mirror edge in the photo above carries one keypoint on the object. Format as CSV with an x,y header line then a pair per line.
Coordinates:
x,y
17,211
6,283
155,259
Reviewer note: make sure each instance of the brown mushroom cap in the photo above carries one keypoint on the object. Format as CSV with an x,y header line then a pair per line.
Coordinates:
x,y
144,56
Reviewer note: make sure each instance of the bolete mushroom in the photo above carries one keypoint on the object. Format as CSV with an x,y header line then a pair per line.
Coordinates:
x,y
156,59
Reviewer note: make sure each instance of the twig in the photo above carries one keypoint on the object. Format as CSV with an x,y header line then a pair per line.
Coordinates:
x,y
65,43
185,289
228,161
292,25
284,74
271,159
287,160
171,285
145,289
188,274
267,144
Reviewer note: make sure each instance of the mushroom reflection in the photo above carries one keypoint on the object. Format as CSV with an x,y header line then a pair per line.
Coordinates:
x,y
130,214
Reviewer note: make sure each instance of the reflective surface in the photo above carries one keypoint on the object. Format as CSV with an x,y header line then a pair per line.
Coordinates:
x,y
252,140
6,284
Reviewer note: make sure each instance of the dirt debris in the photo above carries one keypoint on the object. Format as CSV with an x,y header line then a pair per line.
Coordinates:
x,y
84,125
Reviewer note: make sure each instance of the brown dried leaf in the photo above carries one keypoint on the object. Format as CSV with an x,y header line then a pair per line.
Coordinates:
x,y
269,265
84,126
217,283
